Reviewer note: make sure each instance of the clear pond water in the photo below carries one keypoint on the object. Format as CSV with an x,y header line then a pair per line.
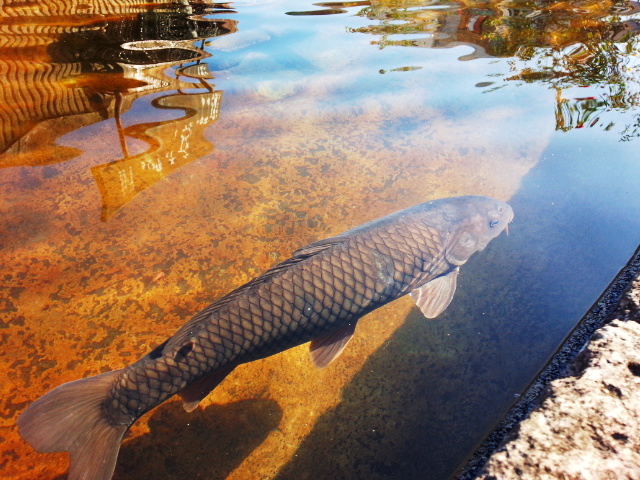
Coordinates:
x,y
155,156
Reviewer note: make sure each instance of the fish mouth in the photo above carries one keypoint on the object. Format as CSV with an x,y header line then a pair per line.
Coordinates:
x,y
506,227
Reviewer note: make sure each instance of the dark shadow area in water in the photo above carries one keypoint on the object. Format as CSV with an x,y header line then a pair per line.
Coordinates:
x,y
207,443
426,399
390,421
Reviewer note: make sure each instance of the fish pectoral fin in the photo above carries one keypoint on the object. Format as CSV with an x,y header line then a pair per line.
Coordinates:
x,y
434,297
193,394
327,348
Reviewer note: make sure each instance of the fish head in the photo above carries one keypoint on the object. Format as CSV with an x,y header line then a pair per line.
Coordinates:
x,y
476,221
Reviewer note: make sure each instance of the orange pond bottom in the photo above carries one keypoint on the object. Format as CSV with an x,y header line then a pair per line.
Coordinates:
x,y
84,292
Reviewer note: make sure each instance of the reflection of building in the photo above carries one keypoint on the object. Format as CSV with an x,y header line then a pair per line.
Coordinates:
x,y
68,64
54,8
444,28
173,143
68,70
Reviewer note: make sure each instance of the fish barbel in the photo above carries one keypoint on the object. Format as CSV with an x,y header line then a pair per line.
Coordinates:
x,y
317,295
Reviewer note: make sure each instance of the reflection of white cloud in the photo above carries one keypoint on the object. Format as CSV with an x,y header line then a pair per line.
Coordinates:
x,y
240,39
277,89
332,58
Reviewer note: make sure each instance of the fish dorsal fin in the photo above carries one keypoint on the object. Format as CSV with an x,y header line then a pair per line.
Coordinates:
x,y
315,248
327,348
434,297
189,329
198,390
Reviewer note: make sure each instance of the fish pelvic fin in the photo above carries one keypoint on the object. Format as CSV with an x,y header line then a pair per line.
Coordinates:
x,y
198,390
71,418
327,348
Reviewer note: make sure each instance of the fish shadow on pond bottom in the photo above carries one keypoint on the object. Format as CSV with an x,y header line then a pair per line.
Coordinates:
x,y
207,443
388,424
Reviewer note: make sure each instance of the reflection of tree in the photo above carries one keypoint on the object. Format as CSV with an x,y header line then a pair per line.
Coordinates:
x,y
600,61
569,45
580,113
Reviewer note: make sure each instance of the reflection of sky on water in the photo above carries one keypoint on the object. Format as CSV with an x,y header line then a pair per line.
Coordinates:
x,y
343,67
326,76
311,55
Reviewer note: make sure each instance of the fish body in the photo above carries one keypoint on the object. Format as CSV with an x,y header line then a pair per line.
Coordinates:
x,y
317,295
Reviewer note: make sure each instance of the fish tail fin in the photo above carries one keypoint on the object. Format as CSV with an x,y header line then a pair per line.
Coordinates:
x,y
71,418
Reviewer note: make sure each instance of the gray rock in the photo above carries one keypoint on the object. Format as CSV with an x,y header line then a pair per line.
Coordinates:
x,y
586,427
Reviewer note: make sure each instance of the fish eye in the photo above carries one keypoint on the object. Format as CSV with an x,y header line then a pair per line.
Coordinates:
x,y
500,209
493,223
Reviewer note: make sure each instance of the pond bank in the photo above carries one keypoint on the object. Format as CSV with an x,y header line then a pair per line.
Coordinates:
x,y
579,418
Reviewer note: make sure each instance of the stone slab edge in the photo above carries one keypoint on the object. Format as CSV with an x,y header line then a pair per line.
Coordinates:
x,y
597,316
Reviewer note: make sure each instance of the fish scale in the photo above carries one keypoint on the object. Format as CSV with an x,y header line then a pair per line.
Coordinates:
x,y
318,294
294,307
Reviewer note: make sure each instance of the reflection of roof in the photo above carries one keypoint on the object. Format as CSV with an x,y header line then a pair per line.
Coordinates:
x,y
54,92
75,64
147,38
22,8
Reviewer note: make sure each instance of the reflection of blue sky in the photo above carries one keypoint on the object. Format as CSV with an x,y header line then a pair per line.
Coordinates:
x,y
274,56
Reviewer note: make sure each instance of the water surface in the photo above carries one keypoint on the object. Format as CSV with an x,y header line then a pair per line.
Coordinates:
x,y
153,157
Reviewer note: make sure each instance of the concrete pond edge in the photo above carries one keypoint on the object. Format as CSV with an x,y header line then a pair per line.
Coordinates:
x,y
559,366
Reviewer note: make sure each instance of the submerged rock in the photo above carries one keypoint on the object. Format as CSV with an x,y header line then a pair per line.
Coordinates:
x,y
587,423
